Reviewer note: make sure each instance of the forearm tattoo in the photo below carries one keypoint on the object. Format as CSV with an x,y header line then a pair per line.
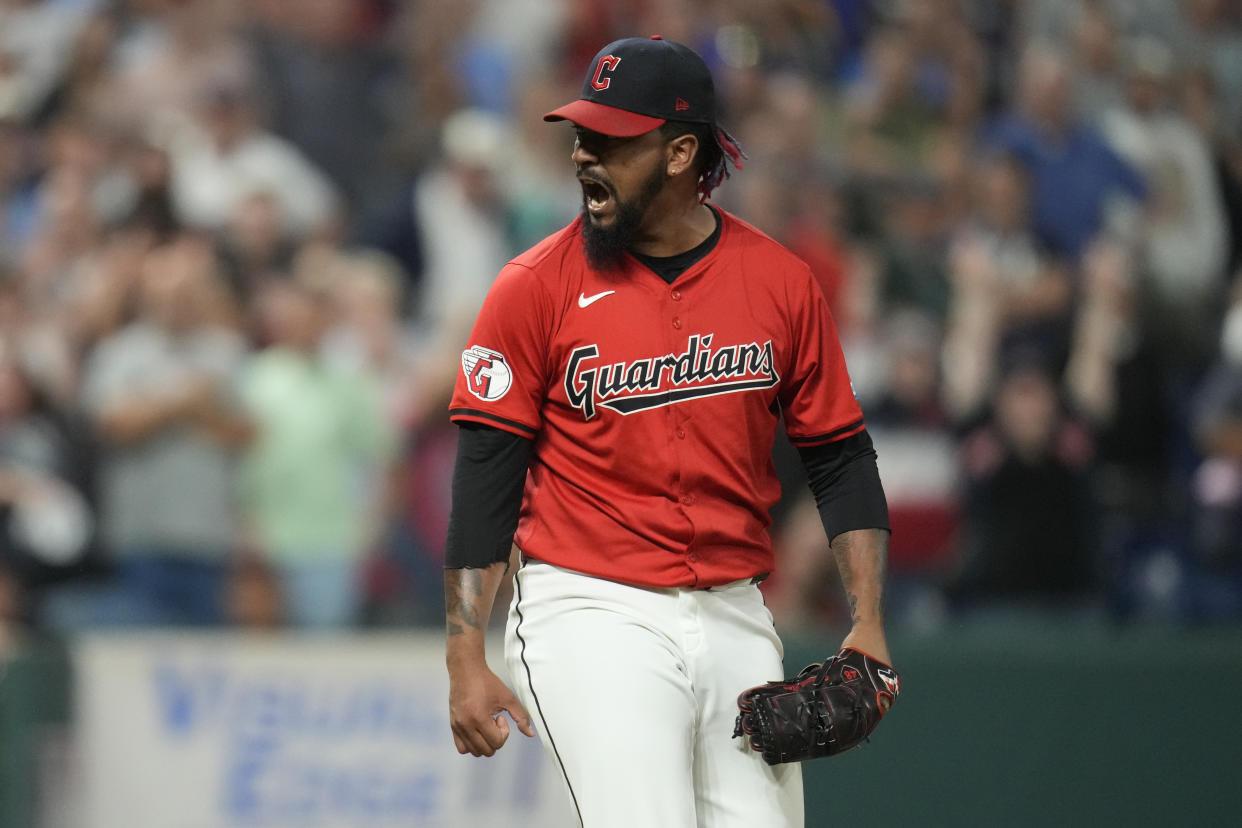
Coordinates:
x,y
862,572
463,587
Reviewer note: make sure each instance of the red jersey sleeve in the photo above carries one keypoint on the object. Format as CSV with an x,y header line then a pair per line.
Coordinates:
x,y
504,370
816,396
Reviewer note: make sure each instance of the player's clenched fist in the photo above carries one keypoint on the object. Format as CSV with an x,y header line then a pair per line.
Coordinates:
x,y
477,703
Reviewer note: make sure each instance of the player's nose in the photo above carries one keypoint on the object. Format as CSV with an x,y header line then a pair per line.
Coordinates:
x,y
581,156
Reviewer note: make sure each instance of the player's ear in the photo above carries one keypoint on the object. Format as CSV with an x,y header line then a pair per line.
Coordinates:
x,y
680,154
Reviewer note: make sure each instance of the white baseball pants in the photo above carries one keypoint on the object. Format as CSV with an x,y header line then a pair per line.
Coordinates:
x,y
633,691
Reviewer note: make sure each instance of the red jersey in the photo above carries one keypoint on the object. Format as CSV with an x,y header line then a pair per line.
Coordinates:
x,y
653,406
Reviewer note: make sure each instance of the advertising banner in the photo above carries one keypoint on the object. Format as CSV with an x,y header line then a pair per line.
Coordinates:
x,y
183,730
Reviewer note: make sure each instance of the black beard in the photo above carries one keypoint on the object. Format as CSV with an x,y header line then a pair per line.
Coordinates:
x,y
604,246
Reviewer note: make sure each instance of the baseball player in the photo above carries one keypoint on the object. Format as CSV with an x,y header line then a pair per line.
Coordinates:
x,y
617,404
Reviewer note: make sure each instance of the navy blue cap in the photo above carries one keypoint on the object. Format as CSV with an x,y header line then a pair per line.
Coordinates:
x,y
636,84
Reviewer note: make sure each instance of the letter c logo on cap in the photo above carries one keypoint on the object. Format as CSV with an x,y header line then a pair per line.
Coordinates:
x,y
608,62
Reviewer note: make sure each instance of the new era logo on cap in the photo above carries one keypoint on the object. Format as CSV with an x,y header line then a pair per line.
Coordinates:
x,y
636,84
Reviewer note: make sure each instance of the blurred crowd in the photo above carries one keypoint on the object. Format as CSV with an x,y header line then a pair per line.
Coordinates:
x,y
242,243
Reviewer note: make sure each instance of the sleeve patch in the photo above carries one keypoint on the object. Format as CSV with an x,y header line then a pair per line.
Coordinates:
x,y
488,376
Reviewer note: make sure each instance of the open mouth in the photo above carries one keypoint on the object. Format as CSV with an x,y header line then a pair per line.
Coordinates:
x,y
595,195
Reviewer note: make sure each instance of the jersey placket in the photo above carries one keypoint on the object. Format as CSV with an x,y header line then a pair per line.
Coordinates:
x,y
676,313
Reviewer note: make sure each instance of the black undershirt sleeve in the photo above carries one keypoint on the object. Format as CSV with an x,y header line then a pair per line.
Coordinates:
x,y
846,484
490,474
488,479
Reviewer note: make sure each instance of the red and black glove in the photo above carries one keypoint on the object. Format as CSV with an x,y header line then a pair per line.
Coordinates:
x,y
826,709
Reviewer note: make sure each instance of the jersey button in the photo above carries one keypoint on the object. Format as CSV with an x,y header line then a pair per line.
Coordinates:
x,y
677,322
681,434
676,294
687,500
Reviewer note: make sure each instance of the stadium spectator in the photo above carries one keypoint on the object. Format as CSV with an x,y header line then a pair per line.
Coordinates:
x,y
1217,489
167,56
371,339
920,467
1007,290
225,157
1182,242
321,439
38,338
893,117
71,200
329,90
1211,38
462,204
46,521
256,248
1025,525
1114,373
912,247
1079,186
161,395
1199,105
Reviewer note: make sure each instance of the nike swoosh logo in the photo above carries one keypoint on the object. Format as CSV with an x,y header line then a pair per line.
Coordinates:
x,y
586,301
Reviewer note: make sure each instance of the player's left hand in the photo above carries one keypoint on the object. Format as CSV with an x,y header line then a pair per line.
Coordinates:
x,y
868,637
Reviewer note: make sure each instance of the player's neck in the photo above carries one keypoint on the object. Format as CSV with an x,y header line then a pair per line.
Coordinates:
x,y
681,227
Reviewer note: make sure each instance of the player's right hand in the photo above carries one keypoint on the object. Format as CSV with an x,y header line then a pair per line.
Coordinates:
x,y
477,704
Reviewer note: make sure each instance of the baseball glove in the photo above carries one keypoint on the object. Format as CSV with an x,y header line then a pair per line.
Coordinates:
x,y
826,709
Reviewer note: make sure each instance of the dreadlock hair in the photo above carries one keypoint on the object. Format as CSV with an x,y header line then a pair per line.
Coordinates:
x,y
717,150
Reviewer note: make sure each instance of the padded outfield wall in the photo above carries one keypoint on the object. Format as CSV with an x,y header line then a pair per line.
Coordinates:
x,y
1006,723
1052,725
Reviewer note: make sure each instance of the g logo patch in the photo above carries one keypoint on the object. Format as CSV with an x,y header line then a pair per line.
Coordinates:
x,y
487,374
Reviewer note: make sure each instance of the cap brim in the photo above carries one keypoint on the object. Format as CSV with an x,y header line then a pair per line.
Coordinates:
x,y
606,120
